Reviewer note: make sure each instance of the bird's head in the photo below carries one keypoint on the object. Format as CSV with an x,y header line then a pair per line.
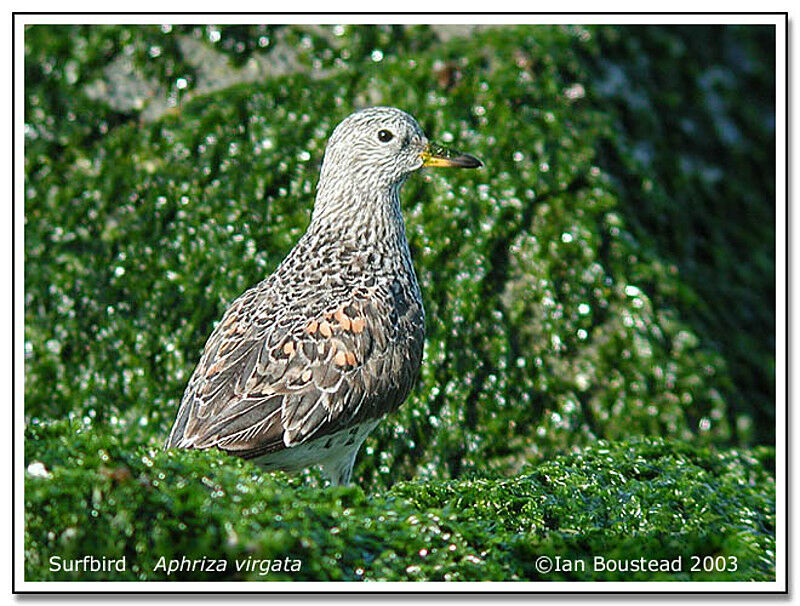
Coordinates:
x,y
380,147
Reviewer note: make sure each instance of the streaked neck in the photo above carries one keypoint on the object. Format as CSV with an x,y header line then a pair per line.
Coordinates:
x,y
359,212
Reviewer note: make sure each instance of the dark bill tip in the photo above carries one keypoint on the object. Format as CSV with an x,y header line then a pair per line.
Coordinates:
x,y
465,161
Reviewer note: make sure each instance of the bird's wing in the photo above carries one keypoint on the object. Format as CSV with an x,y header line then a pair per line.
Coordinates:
x,y
268,379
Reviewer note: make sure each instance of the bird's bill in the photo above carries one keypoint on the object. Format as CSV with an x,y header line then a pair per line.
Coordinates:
x,y
437,155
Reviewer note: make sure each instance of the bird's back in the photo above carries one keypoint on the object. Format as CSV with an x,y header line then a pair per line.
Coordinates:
x,y
331,341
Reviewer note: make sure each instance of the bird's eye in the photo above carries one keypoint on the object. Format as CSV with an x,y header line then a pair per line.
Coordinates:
x,y
384,135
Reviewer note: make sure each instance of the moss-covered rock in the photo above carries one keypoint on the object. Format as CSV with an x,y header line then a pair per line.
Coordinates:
x,y
694,153
88,494
588,284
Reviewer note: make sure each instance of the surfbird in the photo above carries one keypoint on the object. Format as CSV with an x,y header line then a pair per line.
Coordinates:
x,y
304,365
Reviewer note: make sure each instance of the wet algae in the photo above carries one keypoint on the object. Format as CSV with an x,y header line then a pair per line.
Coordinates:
x,y
652,499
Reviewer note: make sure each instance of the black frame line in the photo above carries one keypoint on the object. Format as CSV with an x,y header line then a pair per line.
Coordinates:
x,y
455,591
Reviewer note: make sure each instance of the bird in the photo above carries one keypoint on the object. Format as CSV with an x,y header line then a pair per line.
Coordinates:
x,y
306,363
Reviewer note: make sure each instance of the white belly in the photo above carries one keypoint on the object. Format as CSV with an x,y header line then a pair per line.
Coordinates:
x,y
335,452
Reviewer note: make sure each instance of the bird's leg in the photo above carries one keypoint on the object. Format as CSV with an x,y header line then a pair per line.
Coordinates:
x,y
338,471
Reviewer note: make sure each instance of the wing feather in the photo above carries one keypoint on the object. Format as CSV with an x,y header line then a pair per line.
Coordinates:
x,y
272,377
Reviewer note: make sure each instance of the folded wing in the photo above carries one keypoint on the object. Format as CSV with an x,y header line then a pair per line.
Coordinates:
x,y
272,377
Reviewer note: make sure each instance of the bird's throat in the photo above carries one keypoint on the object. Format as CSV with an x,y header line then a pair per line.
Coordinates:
x,y
352,214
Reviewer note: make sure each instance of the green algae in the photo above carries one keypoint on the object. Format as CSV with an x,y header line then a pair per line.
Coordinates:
x,y
696,158
565,302
650,499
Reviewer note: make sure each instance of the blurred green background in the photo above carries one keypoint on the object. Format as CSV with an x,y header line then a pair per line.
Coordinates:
x,y
608,276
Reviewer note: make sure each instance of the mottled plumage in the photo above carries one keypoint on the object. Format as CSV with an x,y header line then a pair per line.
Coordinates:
x,y
303,365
